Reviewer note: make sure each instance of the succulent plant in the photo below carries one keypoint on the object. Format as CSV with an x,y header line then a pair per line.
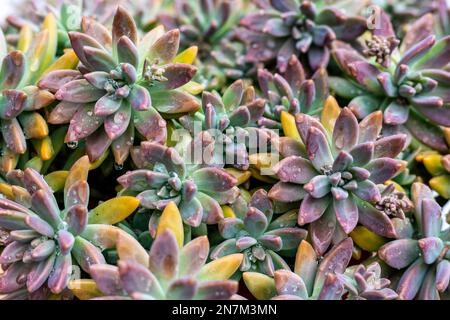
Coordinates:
x,y
69,10
239,164
252,232
44,241
407,81
424,254
223,65
203,23
169,271
403,12
292,92
229,123
366,283
303,28
21,99
337,181
121,85
164,177
312,279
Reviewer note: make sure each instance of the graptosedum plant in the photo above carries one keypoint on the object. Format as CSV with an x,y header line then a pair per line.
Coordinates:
x,y
43,241
121,85
225,150
170,270
424,256
337,179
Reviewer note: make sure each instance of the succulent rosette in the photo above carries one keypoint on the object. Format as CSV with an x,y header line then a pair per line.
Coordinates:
x,y
230,124
291,92
239,165
21,99
120,86
407,81
312,279
303,28
224,64
164,177
252,232
203,23
43,241
170,270
424,254
366,283
337,180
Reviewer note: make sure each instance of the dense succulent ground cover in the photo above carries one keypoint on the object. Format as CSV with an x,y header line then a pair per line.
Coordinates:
x,y
225,149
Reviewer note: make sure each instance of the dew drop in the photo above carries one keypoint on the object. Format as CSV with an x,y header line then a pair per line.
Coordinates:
x,y
72,144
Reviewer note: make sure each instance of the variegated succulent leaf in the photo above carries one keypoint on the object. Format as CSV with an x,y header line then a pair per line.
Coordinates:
x,y
424,258
171,272
303,28
403,78
337,179
290,91
366,283
164,177
123,84
44,242
252,233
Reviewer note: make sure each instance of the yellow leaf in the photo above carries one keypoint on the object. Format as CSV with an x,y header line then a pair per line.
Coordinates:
x,y
78,172
113,210
441,184
366,239
8,161
84,289
421,156
222,268
330,113
171,219
97,163
241,176
50,24
128,248
303,258
228,212
262,287
187,56
6,190
68,60
289,126
396,185
193,88
447,135
263,160
433,164
36,126
56,180
44,148
25,38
